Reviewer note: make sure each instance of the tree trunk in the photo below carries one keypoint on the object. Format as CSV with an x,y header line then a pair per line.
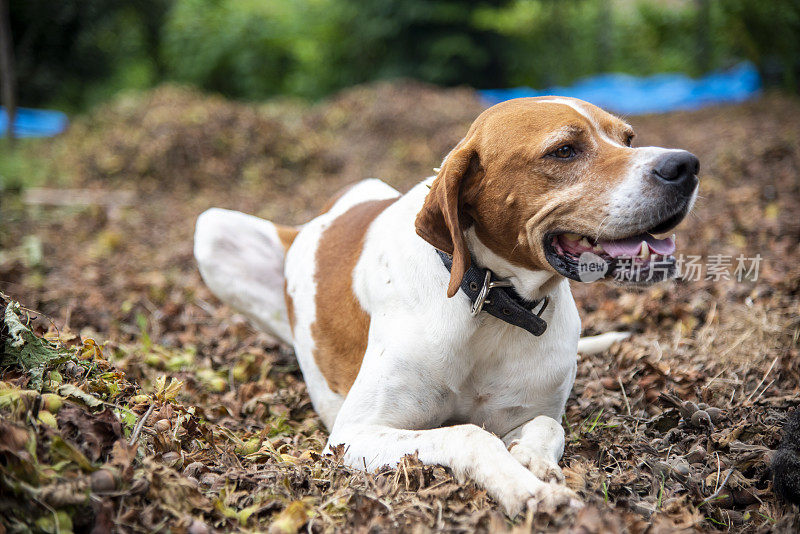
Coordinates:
x,y
7,69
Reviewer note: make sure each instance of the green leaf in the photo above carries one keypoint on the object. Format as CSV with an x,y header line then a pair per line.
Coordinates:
x,y
75,393
24,349
65,450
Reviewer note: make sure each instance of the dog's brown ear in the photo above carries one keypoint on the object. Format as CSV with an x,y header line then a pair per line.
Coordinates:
x,y
440,221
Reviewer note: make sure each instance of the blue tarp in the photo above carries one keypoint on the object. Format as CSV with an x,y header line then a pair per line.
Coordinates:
x,y
34,122
623,93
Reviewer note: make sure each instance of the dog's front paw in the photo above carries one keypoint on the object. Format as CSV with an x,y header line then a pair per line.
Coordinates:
x,y
553,497
535,495
537,463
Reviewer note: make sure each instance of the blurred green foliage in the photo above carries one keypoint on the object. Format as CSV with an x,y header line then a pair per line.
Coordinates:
x,y
767,33
253,48
22,165
244,48
432,40
73,53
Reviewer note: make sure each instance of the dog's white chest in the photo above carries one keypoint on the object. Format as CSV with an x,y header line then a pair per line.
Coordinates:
x,y
513,376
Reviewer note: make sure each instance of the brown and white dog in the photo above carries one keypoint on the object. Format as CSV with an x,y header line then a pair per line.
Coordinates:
x,y
394,360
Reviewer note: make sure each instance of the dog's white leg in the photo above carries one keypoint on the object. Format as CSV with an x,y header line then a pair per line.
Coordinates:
x,y
538,445
467,449
241,259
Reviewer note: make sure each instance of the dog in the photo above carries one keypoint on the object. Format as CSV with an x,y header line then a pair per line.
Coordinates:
x,y
440,321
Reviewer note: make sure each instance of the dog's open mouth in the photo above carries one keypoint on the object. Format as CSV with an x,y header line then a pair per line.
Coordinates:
x,y
637,259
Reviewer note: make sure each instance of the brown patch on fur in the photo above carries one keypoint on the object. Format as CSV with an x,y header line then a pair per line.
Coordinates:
x,y
286,234
441,221
289,306
341,326
500,180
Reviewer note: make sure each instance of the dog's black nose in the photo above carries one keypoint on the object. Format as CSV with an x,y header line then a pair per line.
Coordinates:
x,y
676,167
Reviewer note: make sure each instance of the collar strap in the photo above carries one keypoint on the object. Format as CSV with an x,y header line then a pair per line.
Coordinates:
x,y
498,298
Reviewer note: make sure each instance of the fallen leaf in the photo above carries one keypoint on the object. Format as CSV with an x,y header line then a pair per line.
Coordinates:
x,y
77,394
95,432
289,521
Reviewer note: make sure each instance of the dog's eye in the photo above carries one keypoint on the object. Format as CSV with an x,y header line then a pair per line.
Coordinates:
x,y
628,139
564,152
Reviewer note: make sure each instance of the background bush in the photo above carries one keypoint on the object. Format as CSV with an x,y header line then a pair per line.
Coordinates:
x,y
73,53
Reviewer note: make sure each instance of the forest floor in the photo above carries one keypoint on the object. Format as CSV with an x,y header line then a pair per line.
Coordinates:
x,y
671,429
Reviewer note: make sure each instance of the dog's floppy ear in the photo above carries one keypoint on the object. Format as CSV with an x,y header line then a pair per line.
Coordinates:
x,y
441,220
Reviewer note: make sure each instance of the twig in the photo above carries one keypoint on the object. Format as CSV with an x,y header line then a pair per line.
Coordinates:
x,y
138,428
624,396
703,332
719,490
764,390
712,380
738,342
762,379
205,306
52,511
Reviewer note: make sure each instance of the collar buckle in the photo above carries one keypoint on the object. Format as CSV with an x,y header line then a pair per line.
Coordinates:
x,y
505,303
545,301
488,284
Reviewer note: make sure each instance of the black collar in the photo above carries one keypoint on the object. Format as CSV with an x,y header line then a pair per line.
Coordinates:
x,y
496,297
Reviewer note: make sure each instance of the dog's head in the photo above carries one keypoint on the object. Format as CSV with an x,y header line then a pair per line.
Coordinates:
x,y
553,183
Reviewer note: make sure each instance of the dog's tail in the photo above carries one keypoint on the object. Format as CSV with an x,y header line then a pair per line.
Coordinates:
x,y
241,259
598,344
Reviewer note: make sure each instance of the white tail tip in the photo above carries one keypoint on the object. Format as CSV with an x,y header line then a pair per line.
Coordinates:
x,y
601,343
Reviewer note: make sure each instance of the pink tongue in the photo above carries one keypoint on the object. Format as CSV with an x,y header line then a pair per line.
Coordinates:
x,y
631,245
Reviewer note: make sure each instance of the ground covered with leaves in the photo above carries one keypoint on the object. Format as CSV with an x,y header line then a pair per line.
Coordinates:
x,y
131,400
